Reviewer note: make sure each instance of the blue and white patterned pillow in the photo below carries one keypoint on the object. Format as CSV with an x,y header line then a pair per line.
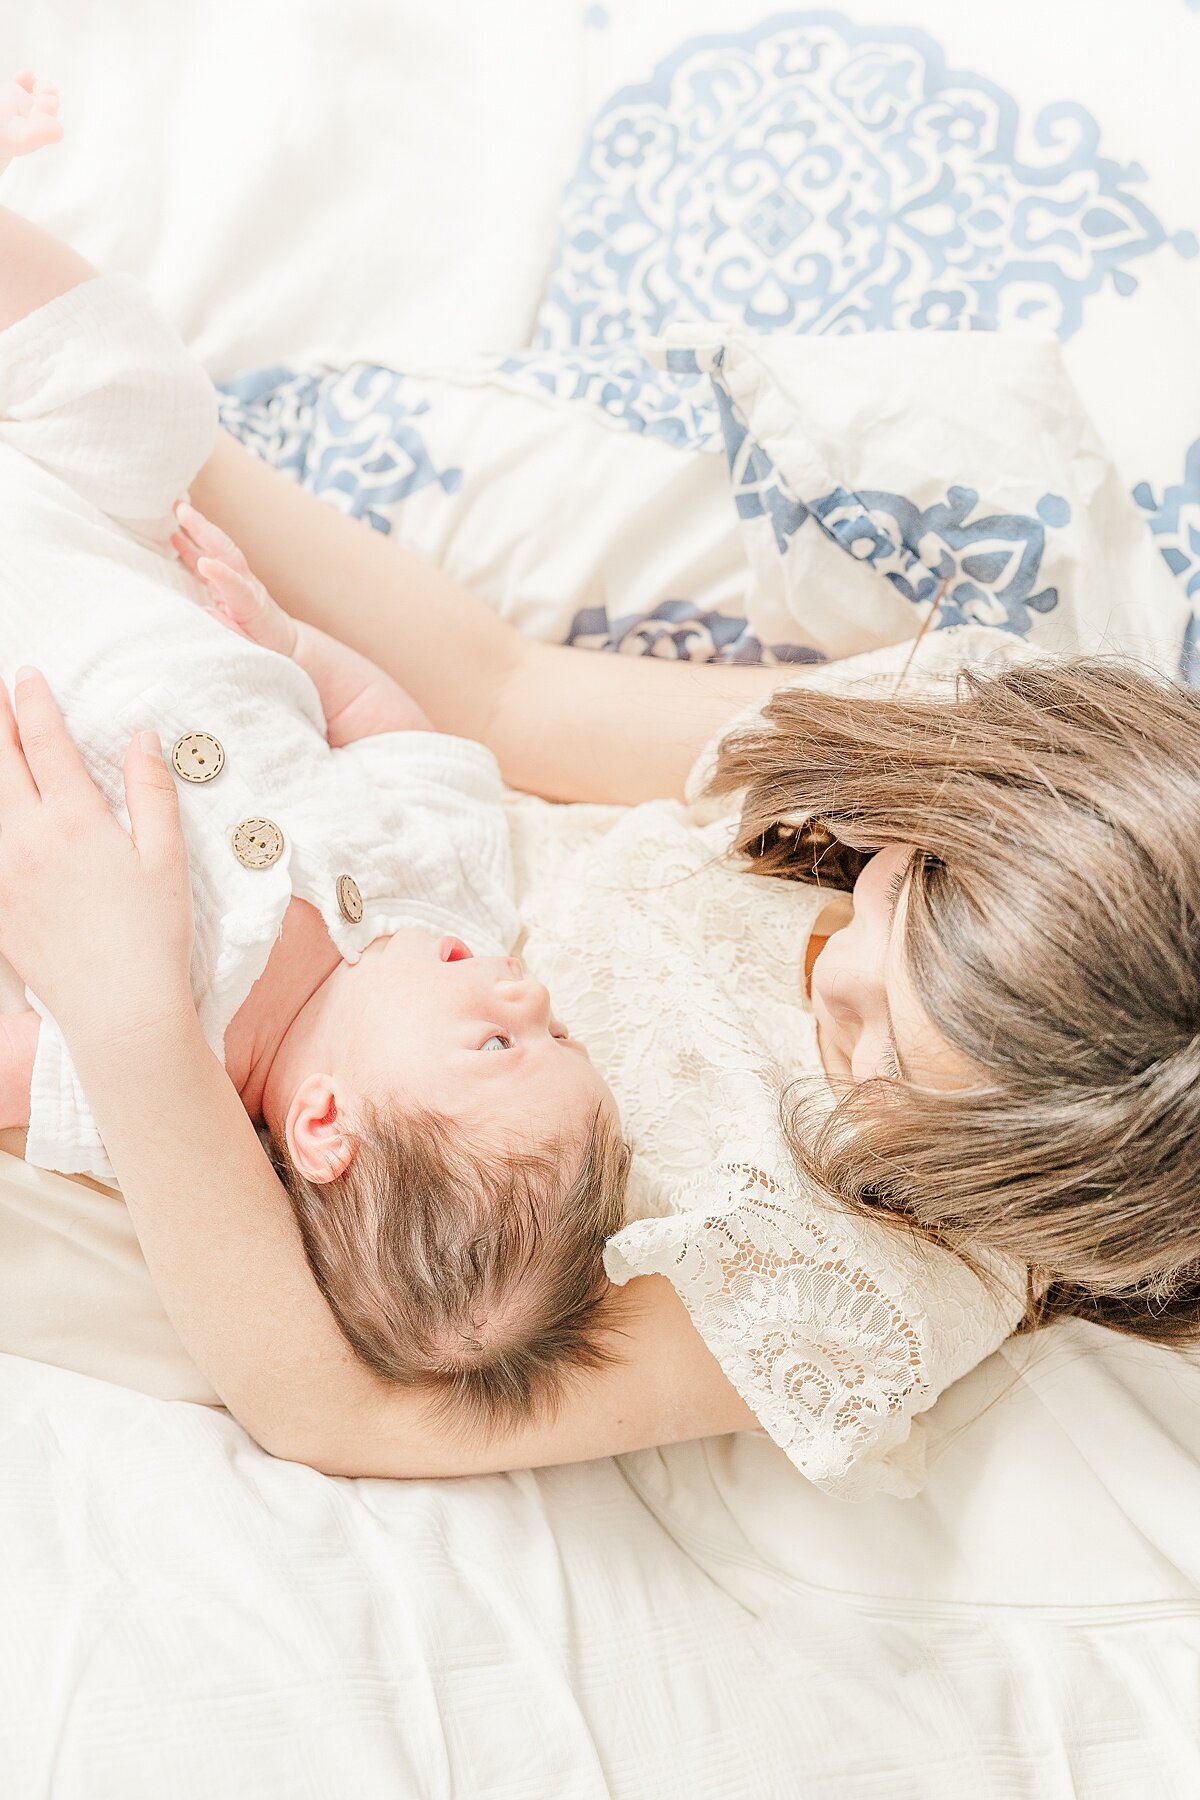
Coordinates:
x,y
584,495
810,173
805,175
816,433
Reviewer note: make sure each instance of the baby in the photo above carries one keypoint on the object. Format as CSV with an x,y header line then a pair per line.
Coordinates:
x,y
454,1160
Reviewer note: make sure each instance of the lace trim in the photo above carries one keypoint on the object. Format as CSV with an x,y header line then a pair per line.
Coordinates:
x,y
830,1340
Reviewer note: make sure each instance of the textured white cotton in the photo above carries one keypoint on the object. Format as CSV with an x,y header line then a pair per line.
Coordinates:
x,y
104,420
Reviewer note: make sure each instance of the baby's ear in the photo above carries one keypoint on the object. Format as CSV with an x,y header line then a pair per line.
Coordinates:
x,y
318,1140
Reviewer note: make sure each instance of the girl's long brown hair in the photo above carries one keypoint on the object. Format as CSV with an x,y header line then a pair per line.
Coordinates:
x,y
1052,934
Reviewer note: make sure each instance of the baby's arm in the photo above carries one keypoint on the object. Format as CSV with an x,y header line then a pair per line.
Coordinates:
x,y
359,700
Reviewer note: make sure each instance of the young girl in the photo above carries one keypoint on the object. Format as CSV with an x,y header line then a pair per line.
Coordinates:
x,y
1009,1019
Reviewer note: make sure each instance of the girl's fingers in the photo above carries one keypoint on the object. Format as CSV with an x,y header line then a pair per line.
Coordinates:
x,y
16,783
50,754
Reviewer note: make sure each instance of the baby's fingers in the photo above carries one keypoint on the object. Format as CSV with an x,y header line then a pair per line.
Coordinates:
x,y
236,594
243,603
207,539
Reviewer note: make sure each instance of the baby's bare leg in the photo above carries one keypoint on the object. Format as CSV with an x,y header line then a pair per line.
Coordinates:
x,y
18,1046
34,267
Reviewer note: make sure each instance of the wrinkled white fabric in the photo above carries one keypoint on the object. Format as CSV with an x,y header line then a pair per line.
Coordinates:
x,y
104,420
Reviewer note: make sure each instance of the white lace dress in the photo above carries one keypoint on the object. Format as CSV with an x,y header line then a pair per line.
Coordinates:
x,y
684,976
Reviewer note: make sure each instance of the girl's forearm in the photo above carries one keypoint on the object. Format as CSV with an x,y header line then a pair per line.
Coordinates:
x,y
568,724
218,1235
217,1232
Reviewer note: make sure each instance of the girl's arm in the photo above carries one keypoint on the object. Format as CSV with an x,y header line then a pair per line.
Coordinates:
x,y
563,723
98,922
218,1235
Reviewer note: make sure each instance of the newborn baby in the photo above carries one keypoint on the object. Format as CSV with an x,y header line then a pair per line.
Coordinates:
x,y
454,1160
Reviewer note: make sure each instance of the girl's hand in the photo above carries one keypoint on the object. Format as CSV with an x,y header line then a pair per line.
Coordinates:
x,y
96,920
236,595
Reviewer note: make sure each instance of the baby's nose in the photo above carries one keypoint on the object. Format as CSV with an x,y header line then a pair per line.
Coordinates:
x,y
525,996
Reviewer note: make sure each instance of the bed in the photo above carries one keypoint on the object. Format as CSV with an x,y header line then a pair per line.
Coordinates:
x,y
304,189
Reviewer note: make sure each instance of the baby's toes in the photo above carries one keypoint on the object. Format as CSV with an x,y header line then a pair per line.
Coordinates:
x,y
32,131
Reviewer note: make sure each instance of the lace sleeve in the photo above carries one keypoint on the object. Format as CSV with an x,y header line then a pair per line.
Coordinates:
x,y
835,1331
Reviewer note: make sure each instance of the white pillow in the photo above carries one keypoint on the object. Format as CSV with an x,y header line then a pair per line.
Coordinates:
x,y
881,477
923,164
288,177
585,497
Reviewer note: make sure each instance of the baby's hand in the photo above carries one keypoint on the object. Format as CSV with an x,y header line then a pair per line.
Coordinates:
x,y
237,597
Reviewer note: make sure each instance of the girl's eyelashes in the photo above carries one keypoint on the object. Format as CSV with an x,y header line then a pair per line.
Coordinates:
x,y
497,1041
895,883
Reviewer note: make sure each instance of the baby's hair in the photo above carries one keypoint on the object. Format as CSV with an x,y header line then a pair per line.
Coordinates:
x,y
474,1274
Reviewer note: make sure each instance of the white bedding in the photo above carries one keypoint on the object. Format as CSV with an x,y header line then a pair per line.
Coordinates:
x,y
181,1614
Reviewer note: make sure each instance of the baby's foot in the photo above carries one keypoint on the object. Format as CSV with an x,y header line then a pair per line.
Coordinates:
x,y
236,596
28,116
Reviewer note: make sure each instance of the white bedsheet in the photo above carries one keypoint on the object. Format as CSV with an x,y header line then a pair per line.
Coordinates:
x,y
183,1616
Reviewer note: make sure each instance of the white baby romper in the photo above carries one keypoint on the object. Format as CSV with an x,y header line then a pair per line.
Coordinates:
x,y
104,420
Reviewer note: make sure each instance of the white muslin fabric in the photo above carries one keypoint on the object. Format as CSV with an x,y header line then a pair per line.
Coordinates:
x,y
104,420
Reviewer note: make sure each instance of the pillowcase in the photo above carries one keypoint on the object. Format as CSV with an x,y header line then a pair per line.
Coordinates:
x,y
933,166
885,478
864,483
583,495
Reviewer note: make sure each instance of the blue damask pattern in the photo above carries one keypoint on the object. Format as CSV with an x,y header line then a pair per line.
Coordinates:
x,y
979,569
680,630
676,408
1175,522
353,435
811,174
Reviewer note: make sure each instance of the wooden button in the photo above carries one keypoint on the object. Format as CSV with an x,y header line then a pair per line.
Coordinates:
x,y
257,843
349,899
197,756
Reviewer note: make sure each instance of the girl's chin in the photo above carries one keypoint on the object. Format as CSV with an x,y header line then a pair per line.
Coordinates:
x,y
837,1069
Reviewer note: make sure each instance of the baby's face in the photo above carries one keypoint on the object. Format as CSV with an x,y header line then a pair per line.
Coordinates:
x,y
472,1037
